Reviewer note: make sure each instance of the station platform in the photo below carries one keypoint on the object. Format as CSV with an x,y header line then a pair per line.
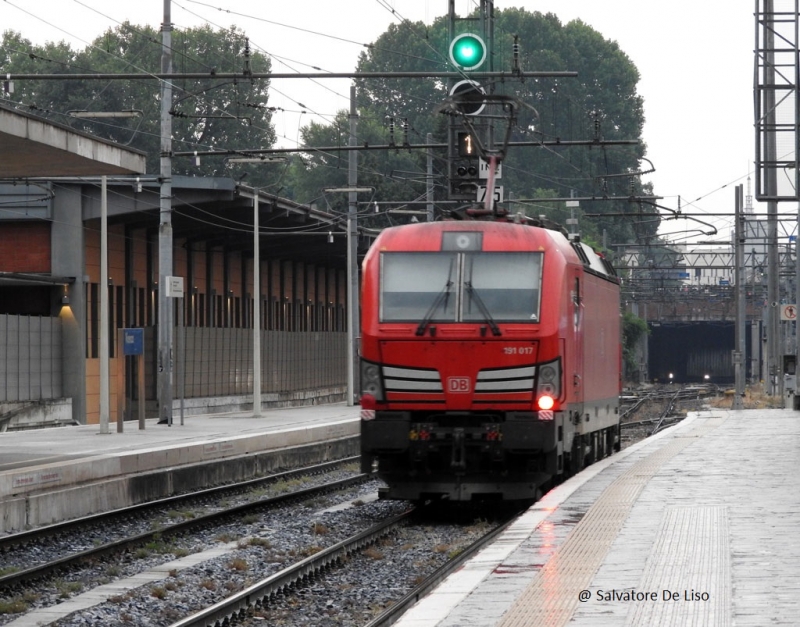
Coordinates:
x,y
697,525
55,474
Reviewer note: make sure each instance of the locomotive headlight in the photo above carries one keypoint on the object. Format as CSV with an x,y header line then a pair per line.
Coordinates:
x,y
548,383
547,373
371,380
462,240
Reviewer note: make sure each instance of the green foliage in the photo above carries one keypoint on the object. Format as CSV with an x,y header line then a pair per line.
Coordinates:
x,y
602,103
67,588
394,174
633,328
207,113
13,606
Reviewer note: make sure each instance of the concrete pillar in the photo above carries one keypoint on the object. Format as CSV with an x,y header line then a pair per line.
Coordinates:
x,y
68,260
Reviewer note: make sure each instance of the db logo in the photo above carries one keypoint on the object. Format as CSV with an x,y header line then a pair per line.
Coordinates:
x,y
458,385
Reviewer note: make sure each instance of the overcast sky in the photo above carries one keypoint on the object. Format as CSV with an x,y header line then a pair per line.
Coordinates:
x,y
695,58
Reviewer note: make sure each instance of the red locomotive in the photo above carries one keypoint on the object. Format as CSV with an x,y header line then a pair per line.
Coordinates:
x,y
490,360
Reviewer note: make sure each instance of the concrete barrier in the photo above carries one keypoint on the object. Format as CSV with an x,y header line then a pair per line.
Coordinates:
x,y
71,488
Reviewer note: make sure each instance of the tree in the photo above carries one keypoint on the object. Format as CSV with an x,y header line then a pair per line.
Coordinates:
x,y
601,103
207,113
633,330
394,174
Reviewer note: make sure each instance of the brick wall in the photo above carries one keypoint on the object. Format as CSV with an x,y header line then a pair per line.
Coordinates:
x,y
24,246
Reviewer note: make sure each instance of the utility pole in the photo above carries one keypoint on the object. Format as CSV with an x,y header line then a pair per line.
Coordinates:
x,y
429,180
770,148
797,196
353,318
165,318
256,309
741,320
104,354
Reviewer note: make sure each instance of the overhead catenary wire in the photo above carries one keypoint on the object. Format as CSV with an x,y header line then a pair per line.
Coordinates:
x,y
354,42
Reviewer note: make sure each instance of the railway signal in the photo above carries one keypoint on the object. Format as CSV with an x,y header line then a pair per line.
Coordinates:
x,y
469,97
466,170
467,145
467,51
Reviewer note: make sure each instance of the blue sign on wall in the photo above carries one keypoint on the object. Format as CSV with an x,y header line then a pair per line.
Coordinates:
x,y
133,342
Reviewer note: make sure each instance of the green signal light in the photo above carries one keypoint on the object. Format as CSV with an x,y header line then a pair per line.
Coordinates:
x,y
467,51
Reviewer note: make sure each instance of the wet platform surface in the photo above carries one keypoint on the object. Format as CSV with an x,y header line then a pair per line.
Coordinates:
x,y
20,449
696,526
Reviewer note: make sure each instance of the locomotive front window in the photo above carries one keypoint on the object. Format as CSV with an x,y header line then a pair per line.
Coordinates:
x,y
506,285
460,287
418,285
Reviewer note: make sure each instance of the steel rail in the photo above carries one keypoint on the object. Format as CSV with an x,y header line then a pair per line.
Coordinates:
x,y
16,540
15,579
227,611
402,605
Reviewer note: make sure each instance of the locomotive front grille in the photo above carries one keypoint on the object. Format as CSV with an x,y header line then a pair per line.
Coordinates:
x,y
424,385
505,381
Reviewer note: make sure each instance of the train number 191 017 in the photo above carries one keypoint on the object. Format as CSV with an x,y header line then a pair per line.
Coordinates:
x,y
518,350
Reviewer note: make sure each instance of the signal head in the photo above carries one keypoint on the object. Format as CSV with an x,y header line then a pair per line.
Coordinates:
x,y
471,97
467,51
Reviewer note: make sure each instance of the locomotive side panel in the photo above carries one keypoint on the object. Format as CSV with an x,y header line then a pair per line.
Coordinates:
x,y
601,350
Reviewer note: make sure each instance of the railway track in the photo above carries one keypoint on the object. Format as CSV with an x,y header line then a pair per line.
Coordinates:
x,y
303,566
200,498
649,410
254,602
27,543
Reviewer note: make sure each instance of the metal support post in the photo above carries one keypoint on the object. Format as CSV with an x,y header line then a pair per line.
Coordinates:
x,y
121,386
256,311
796,323
739,351
353,318
165,318
104,354
429,180
181,361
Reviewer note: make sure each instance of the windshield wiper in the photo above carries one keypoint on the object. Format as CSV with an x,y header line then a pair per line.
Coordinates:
x,y
442,296
484,310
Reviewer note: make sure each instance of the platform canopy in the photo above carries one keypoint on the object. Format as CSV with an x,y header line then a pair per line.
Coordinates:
x,y
31,146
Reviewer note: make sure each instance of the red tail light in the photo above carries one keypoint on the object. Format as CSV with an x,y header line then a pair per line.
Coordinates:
x,y
546,402
368,401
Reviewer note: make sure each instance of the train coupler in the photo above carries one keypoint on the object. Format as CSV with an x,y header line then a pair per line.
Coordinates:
x,y
458,456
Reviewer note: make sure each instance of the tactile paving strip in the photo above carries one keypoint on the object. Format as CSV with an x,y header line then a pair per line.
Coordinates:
x,y
552,596
690,568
